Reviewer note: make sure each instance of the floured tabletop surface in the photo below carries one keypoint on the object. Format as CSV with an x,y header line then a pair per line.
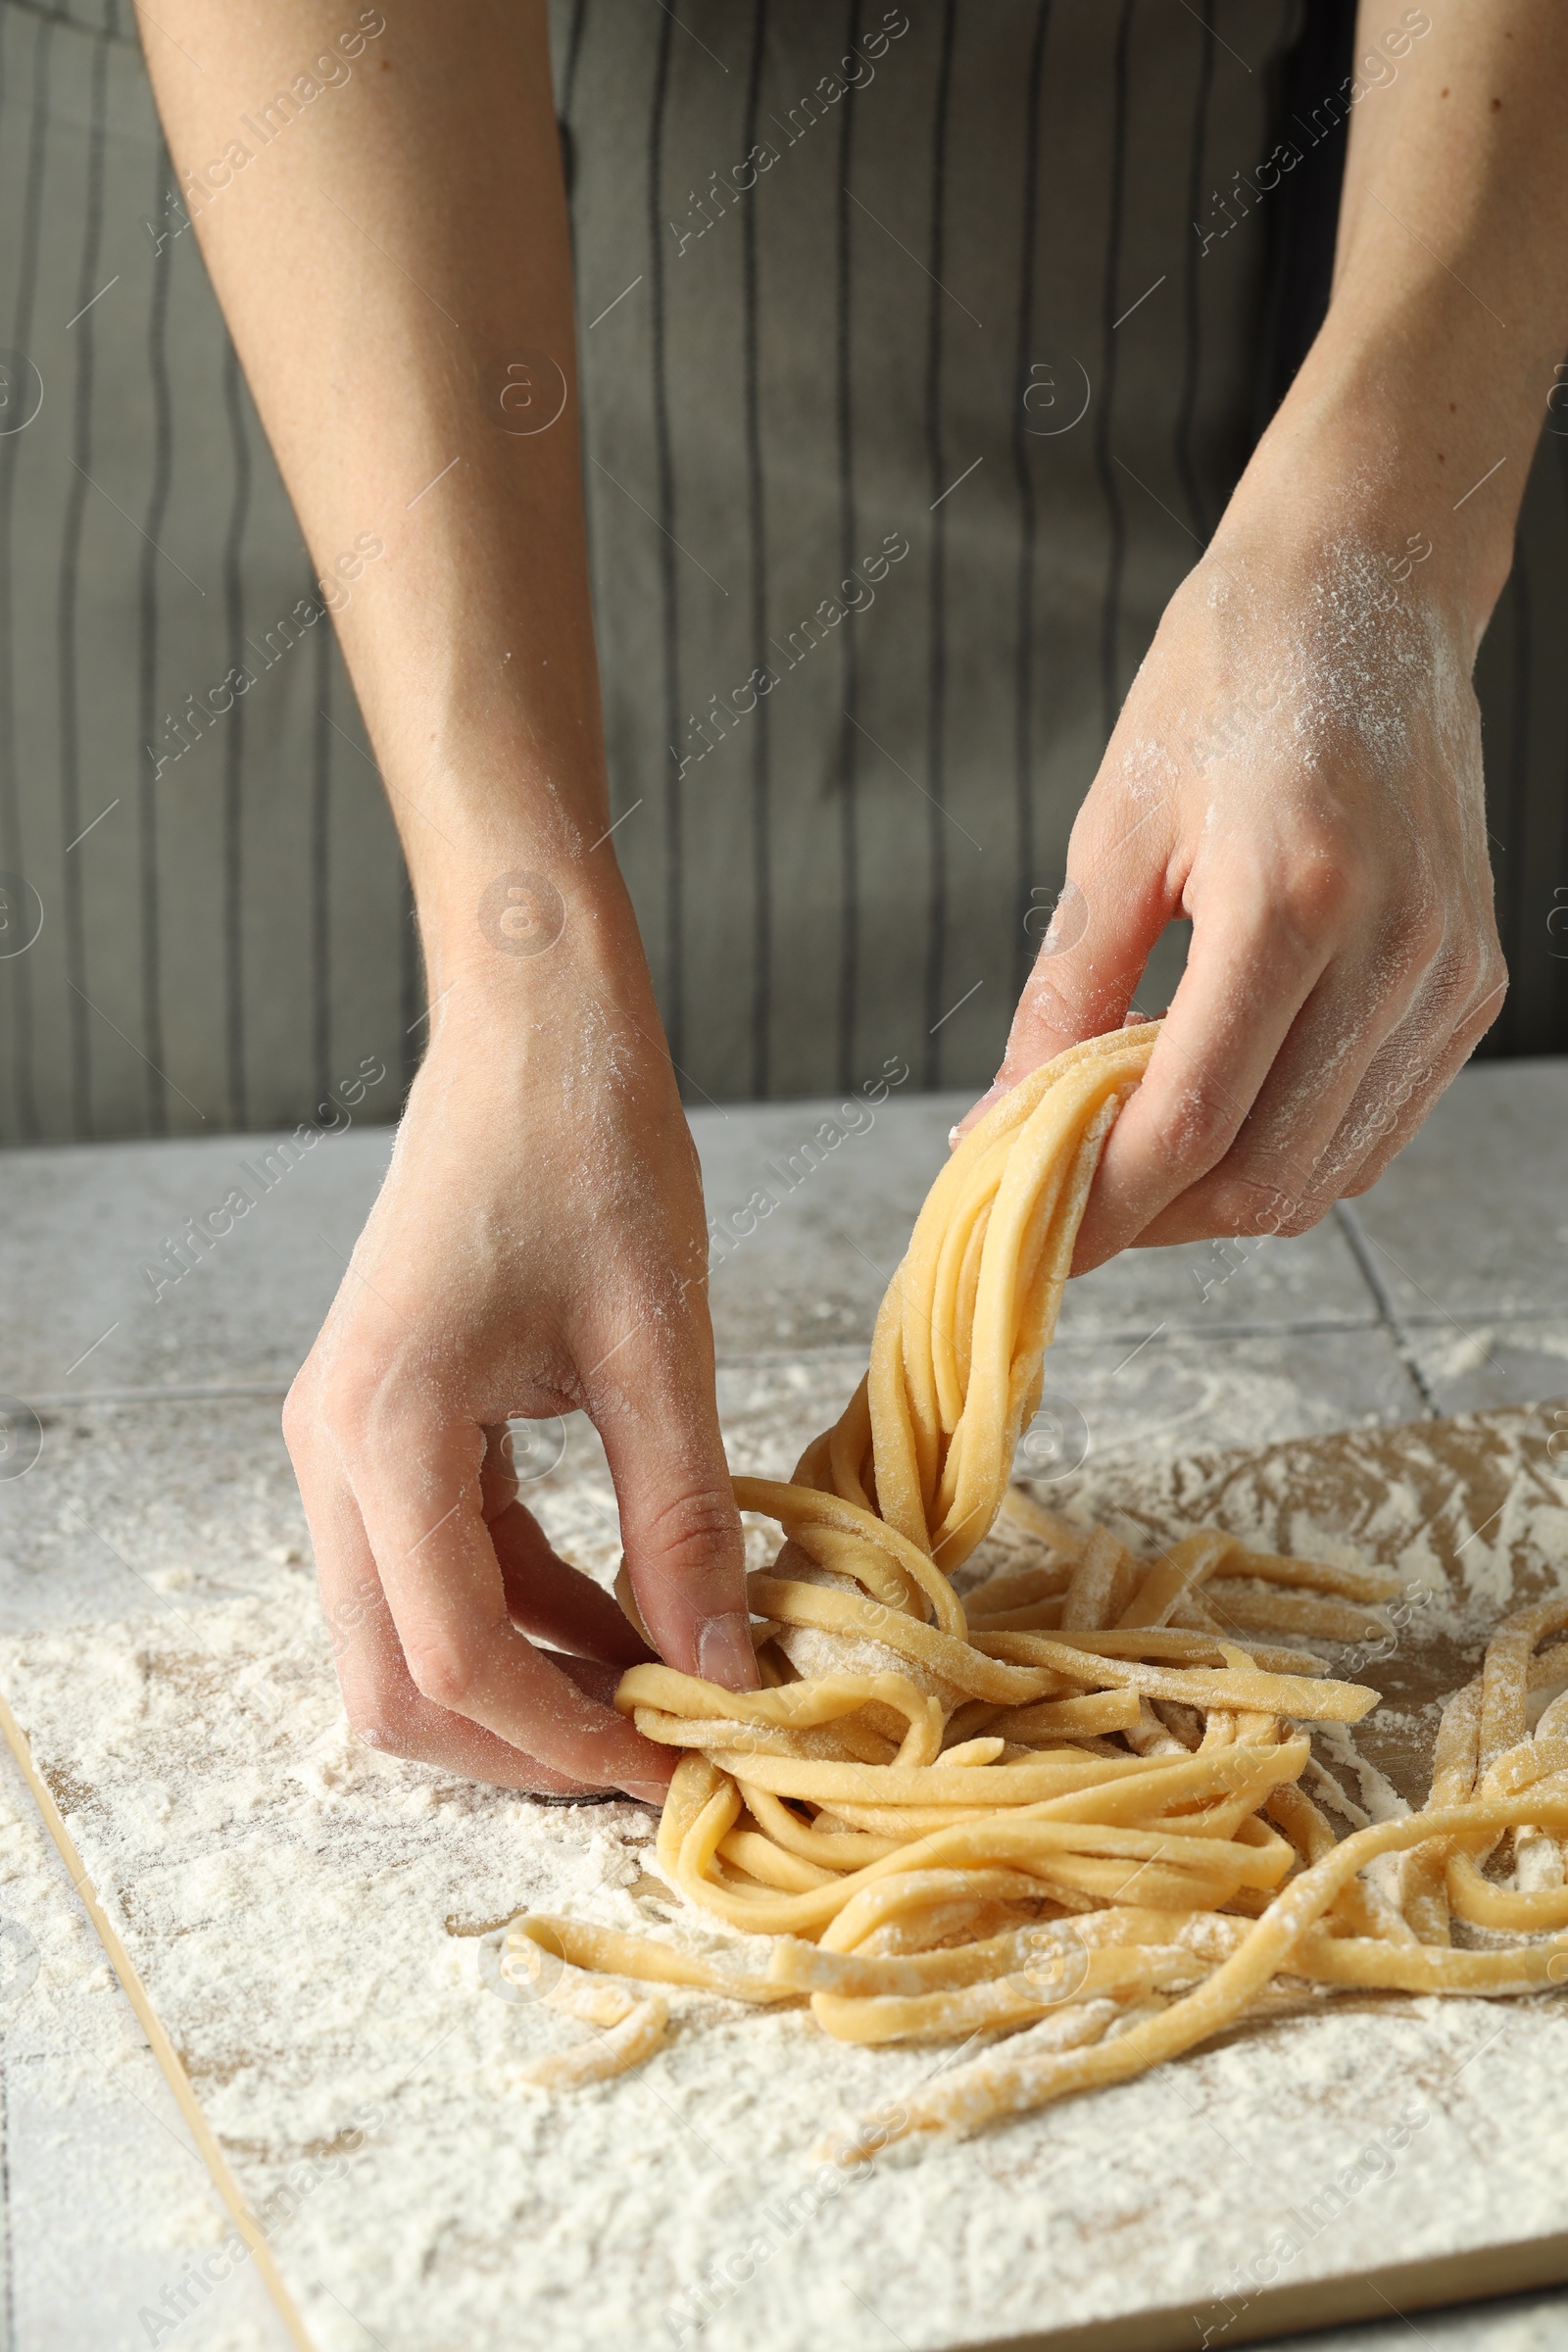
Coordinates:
x,y
1470,1512
310,1920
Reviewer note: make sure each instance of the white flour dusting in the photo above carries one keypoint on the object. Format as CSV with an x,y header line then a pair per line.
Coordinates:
x,y
310,1918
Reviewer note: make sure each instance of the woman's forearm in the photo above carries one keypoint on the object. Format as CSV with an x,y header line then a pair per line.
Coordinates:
x,y
1298,766
395,265
1449,311
383,256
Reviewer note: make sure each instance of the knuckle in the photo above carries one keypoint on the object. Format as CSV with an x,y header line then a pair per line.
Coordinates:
x,y
1320,888
1455,976
344,1408
444,1668
1492,980
1243,1206
1201,1123
365,1415
693,1530
1301,1217
1230,1205
1380,1103
1416,936
301,1416
1464,952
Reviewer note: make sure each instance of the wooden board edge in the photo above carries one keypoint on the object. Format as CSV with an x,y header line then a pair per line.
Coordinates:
x,y
1474,2274
163,2049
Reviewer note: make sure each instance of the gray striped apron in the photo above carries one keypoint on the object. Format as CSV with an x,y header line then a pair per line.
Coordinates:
x,y
919,347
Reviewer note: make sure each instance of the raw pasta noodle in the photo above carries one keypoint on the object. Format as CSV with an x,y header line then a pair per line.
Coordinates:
x,y
1067,1806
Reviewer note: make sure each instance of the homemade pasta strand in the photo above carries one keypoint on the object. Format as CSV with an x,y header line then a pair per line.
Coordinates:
x,y
1066,1805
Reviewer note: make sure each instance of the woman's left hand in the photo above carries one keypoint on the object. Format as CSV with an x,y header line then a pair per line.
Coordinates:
x,y
1297,769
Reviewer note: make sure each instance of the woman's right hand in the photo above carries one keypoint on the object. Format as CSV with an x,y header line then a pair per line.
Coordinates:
x,y
538,1247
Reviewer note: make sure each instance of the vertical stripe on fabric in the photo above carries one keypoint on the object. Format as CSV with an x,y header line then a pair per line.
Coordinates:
x,y
234,745
937,702
757,523
1559,1035
1115,519
163,475
415,1032
568,76
1192,324
7,794
1023,479
1516,849
321,853
674,893
7,681
69,571
18,969
848,730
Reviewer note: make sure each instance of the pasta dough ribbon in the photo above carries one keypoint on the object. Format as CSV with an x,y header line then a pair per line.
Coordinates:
x,y
1070,1803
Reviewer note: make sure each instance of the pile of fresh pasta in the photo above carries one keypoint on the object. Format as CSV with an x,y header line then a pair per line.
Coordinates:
x,y
1060,1821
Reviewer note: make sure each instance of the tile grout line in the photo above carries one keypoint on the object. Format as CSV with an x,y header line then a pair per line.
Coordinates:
x,y
8,2249
157,2037
1385,1315
196,1392
745,1361
1349,1225
1113,1336
1203,1333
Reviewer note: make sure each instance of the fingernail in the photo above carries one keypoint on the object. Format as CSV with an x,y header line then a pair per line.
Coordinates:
x,y
724,1652
971,1118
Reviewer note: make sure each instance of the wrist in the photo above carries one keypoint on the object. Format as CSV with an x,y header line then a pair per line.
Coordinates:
x,y
495,922
509,849
482,697
517,942
1382,445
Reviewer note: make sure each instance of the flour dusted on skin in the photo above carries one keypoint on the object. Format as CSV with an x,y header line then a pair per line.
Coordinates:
x,y
1146,770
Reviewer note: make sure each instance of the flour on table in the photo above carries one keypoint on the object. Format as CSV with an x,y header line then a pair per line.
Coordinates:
x,y
314,1924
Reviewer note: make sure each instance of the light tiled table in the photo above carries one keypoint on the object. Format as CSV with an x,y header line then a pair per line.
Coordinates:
x,y
162,1469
